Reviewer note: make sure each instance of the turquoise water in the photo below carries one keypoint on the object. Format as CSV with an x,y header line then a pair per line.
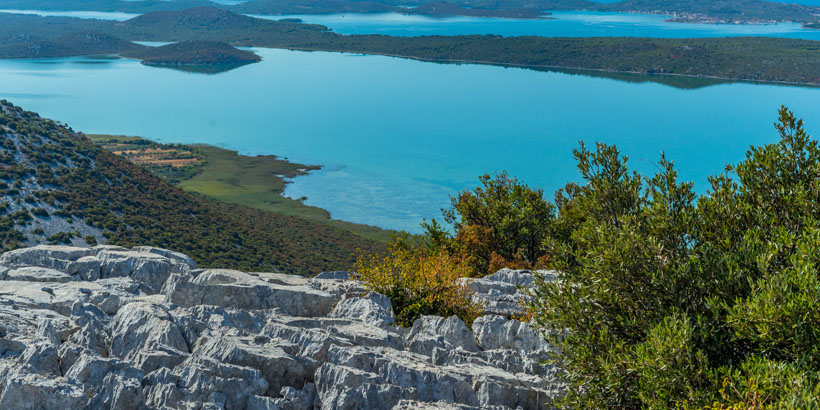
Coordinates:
x,y
564,24
100,15
398,136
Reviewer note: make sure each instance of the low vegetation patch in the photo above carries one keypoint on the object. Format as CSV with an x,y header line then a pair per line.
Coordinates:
x,y
419,281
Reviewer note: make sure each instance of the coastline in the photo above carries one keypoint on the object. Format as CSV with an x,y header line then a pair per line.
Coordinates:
x,y
223,174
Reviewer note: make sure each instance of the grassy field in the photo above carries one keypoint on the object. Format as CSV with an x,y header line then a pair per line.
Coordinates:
x,y
257,182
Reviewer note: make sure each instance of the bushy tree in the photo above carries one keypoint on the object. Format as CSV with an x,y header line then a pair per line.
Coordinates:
x,y
669,301
501,223
419,281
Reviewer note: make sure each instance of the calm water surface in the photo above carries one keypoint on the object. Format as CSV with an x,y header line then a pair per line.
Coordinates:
x,y
564,24
398,136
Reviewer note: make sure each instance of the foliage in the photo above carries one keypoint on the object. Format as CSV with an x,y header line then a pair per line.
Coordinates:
x,y
501,223
419,281
667,300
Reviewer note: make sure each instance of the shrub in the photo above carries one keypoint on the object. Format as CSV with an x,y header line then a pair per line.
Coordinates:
x,y
61,238
502,223
670,301
39,212
419,281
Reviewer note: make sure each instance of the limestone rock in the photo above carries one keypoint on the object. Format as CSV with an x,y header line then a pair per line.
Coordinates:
x,y
240,290
373,308
430,332
143,328
37,274
21,390
498,332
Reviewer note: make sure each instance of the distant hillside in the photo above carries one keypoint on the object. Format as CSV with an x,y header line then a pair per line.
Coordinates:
x,y
722,10
213,24
703,11
443,9
58,187
194,54
274,7
84,43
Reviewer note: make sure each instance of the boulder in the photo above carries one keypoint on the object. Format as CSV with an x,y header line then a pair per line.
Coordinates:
x,y
240,290
38,274
21,390
431,332
498,332
373,308
144,326
149,268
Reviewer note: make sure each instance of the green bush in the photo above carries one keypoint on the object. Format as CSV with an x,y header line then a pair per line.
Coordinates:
x,y
419,281
668,300
502,223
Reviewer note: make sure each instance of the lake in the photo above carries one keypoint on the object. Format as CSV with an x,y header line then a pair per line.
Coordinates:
x,y
564,24
397,136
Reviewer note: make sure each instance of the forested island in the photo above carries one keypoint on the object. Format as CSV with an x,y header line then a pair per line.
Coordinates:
x,y
739,59
207,56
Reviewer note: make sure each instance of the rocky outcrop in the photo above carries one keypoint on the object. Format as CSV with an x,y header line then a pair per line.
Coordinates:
x,y
144,328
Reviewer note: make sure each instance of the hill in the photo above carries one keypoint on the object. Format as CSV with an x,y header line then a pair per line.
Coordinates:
x,y
58,187
253,181
208,54
444,9
214,24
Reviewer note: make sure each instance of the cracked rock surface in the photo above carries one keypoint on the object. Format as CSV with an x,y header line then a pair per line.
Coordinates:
x,y
145,328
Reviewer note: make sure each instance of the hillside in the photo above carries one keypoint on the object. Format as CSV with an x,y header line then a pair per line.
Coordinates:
x,y
723,11
75,44
213,24
59,187
444,9
253,181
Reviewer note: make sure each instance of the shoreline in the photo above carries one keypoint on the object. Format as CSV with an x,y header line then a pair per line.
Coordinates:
x,y
224,174
557,67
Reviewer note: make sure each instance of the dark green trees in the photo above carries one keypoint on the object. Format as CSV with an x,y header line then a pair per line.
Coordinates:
x,y
671,301
501,223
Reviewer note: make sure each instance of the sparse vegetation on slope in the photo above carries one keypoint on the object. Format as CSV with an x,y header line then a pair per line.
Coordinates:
x,y
254,181
88,190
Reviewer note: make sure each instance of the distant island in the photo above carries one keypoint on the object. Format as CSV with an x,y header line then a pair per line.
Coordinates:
x,y
444,9
777,60
195,55
696,11
208,56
